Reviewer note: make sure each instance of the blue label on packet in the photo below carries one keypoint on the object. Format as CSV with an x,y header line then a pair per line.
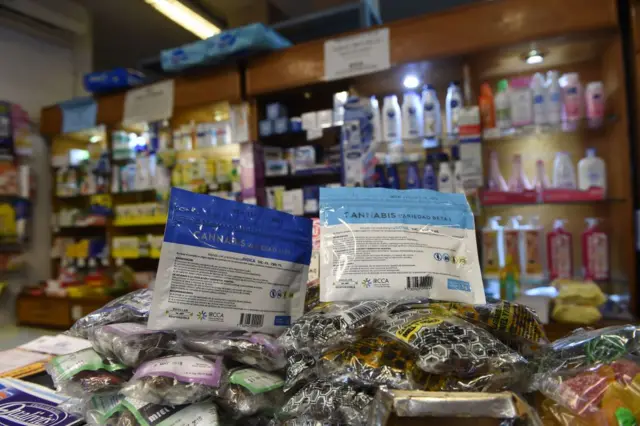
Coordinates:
x,y
453,284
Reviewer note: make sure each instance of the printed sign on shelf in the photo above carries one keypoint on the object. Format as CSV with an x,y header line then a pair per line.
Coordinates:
x,y
78,114
149,103
357,55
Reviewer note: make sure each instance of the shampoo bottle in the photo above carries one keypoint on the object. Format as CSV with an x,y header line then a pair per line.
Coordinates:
x,y
454,106
413,179
595,252
564,175
431,108
445,176
532,255
539,99
503,106
412,116
496,181
518,182
492,248
391,119
592,172
554,98
560,251
487,107
429,179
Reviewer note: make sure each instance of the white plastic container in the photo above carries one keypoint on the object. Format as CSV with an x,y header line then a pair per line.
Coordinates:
x,y
454,106
521,102
573,99
492,248
503,106
412,118
564,174
431,110
539,94
376,120
554,98
592,172
391,120
445,175
595,103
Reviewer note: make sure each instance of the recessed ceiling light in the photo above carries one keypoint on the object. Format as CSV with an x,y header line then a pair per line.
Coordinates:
x,y
411,81
534,57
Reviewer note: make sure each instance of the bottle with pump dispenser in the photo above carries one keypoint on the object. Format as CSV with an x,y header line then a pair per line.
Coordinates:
x,y
560,251
454,106
554,98
518,182
592,172
492,248
503,106
431,109
533,259
538,91
429,178
595,251
496,180
412,117
392,121
445,176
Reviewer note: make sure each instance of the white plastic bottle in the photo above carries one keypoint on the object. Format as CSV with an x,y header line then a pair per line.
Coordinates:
x,y
431,108
454,105
503,106
564,174
412,118
539,99
554,98
445,176
391,119
376,121
573,105
521,102
592,172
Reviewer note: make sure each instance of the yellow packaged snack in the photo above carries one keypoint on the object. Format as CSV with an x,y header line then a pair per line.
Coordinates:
x,y
575,314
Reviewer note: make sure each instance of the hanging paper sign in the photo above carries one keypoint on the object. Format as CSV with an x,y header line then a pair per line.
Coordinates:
x,y
357,55
78,114
149,103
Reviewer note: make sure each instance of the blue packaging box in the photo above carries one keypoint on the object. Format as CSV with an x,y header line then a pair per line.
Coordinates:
x,y
276,110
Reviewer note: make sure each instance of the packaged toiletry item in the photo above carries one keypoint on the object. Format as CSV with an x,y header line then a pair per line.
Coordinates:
x,y
393,180
541,181
539,94
391,119
429,179
554,98
376,120
573,97
532,253
445,267
592,172
595,251
453,108
496,181
311,196
518,182
510,279
595,103
211,240
457,169
431,108
513,240
521,100
445,175
564,174
487,107
503,105
413,178
560,251
380,177
412,116
492,248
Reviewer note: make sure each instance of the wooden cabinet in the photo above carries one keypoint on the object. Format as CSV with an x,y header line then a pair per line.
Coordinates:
x,y
53,312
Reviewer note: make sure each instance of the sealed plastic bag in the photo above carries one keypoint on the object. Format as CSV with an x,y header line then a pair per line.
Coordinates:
x,y
132,307
97,410
176,380
131,343
80,373
329,402
381,243
255,349
248,391
226,265
140,413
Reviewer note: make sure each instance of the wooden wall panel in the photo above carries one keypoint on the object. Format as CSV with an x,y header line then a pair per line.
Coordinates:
x,y
50,121
215,86
458,31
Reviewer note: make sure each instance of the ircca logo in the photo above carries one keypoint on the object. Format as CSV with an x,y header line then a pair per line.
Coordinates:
x,y
367,283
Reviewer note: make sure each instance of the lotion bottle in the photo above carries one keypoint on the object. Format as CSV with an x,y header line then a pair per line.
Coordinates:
x,y
413,178
560,251
454,106
513,240
457,170
592,172
391,119
376,120
554,98
445,176
564,175
429,179
503,106
594,95
595,251
431,109
541,182
412,116
539,99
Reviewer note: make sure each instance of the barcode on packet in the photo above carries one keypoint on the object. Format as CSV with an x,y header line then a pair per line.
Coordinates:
x,y
420,283
358,312
251,320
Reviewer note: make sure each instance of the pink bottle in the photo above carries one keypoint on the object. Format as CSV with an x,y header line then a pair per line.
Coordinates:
x,y
595,252
518,182
541,181
560,251
594,96
573,96
496,181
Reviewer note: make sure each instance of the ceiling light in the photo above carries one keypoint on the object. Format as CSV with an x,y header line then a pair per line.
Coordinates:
x,y
411,81
534,57
185,17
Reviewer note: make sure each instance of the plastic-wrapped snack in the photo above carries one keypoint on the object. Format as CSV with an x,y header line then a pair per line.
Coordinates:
x,y
140,413
132,307
248,391
328,401
255,349
131,343
373,361
451,345
331,324
588,348
601,395
301,368
305,421
83,372
176,380
312,298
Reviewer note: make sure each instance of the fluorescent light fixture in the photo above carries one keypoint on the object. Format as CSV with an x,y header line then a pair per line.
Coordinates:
x,y
411,81
534,57
185,17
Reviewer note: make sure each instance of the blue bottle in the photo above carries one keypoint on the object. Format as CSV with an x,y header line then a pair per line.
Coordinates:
x,y
429,179
413,177
392,177
380,178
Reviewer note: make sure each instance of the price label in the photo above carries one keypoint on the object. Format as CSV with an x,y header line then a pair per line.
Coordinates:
x,y
102,200
357,55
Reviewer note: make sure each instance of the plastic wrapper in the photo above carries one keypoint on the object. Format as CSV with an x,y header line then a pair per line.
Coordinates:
x,y
132,307
328,401
80,373
448,345
176,380
248,391
301,368
305,421
97,410
312,298
255,349
131,343
140,413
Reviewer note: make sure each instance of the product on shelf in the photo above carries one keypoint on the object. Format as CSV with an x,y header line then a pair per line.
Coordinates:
x,y
595,251
555,101
496,180
560,251
592,172
412,117
518,182
573,99
541,181
391,119
503,105
445,175
532,258
577,302
521,101
453,108
564,174
594,95
431,109
492,248
540,99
